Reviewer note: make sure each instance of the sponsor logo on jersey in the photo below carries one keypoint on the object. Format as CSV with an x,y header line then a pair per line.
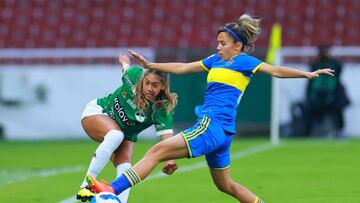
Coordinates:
x,y
140,116
131,103
121,113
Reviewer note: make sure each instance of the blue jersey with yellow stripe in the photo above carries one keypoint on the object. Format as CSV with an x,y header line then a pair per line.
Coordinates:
x,y
226,82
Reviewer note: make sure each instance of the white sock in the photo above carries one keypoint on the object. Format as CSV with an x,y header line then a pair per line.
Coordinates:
x,y
120,169
112,141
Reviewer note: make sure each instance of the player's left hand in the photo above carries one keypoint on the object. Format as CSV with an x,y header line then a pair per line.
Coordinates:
x,y
123,59
326,71
140,58
169,168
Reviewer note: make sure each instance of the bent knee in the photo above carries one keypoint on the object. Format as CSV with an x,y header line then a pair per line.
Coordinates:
x,y
223,188
226,187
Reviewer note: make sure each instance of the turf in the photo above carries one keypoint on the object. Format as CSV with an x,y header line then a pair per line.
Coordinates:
x,y
297,171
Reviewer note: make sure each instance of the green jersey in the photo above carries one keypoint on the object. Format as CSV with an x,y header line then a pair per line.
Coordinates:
x,y
121,107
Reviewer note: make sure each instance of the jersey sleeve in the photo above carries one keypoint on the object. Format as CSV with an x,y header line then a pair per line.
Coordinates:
x,y
252,64
207,63
131,76
163,121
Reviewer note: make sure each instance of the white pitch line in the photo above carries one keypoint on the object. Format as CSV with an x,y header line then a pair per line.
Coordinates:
x,y
182,169
43,173
236,155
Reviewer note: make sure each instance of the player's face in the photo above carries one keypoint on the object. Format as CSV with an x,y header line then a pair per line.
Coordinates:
x,y
226,46
152,86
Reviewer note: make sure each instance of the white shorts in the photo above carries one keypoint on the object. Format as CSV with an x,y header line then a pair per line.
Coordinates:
x,y
92,108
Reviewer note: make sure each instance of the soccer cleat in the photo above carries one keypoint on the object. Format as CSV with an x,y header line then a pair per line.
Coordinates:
x,y
98,186
85,194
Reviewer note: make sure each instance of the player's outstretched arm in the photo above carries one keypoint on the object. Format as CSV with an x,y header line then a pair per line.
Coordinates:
x,y
286,72
176,68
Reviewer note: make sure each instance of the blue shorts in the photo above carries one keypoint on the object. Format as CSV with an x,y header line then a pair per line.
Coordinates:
x,y
208,138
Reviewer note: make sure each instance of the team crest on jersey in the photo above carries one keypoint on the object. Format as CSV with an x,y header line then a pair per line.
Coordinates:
x,y
229,62
123,94
140,116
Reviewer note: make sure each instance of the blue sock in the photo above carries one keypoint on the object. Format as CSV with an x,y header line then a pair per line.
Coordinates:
x,y
120,184
128,179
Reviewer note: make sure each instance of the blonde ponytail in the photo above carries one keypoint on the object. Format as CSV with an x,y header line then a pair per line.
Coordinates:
x,y
245,30
251,29
250,25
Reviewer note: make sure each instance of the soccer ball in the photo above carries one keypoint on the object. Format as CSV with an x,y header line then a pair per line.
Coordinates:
x,y
105,197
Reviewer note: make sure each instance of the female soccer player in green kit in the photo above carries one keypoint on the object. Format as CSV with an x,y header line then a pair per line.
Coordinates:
x,y
229,73
143,99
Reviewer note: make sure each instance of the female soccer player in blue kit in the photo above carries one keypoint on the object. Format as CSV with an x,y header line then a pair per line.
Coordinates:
x,y
229,74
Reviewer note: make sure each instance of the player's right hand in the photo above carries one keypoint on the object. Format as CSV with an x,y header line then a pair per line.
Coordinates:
x,y
170,167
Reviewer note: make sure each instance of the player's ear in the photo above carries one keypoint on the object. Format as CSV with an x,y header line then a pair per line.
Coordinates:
x,y
238,46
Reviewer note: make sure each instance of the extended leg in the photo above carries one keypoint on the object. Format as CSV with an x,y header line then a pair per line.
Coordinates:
x,y
172,148
225,184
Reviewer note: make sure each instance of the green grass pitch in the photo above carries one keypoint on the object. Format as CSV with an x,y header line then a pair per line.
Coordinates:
x,y
296,171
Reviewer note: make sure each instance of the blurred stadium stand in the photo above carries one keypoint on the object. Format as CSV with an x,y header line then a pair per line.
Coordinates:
x,y
163,23
181,30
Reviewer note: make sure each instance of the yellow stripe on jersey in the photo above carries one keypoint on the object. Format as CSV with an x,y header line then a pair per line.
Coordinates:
x,y
257,67
203,66
228,77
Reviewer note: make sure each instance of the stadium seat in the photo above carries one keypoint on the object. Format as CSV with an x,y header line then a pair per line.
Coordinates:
x,y
102,23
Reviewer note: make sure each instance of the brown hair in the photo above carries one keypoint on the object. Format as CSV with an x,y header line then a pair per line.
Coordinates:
x,y
165,99
247,29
